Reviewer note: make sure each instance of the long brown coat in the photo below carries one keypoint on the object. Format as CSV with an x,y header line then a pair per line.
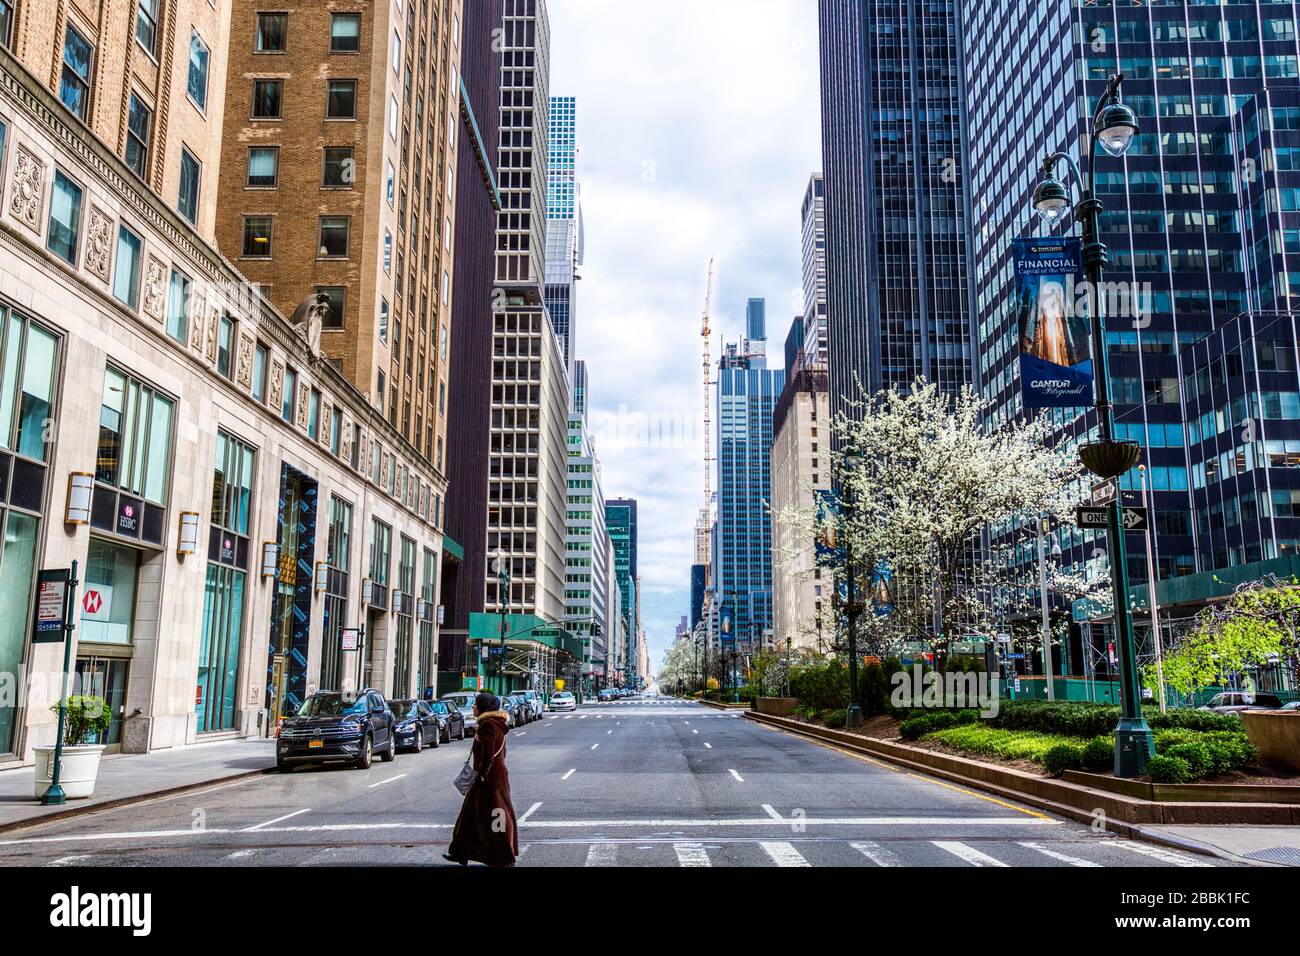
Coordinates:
x,y
485,830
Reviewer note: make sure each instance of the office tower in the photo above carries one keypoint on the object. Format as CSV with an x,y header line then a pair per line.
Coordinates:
x,y
586,575
338,179
564,236
620,519
698,579
816,342
1197,220
164,426
469,399
895,210
754,345
794,350
683,629
747,395
801,465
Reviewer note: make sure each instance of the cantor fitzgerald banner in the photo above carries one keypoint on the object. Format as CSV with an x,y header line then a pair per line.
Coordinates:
x,y
1055,353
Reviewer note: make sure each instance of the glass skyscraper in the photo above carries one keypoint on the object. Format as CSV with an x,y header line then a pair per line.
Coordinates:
x,y
564,239
895,211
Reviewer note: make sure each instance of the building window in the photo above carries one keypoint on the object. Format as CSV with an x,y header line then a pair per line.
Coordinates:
x,y
345,33
272,33
388,236
6,22
126,267
135,431
340,168
261,360
381,543
383,320
187,201
65,218
334,317
137,136
263,166
336,430
225,346
333,237
379,387
257,237
392,117
390,180
197,83
313,415
27,379
178,307
146,25
290,394
268,98
341,100
74,85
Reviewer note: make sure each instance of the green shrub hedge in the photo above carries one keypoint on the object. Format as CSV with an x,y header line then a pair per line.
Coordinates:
x,y
926,722
1062,757
1086,719
1099,755
836,718
1163,768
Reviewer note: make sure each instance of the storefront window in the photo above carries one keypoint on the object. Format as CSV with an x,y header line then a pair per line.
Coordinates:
x,y
134,437
17,571
111,573
223,628
27,390
381,542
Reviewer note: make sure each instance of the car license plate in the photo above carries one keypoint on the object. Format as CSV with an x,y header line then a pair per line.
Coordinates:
x,y
313,744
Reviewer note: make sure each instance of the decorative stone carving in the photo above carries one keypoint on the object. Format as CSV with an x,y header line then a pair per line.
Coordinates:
x,y
244,363
277,385
197,311
214,330
383,471
346,432
155,288
304,396
28,190
99,242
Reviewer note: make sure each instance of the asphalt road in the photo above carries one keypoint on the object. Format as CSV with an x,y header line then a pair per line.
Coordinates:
x,y
632,783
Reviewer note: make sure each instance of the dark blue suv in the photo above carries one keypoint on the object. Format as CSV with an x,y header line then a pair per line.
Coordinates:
x,y
332,726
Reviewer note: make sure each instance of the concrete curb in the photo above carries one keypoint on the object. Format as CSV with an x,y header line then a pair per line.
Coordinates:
x,y
723,706
81,810
1112,824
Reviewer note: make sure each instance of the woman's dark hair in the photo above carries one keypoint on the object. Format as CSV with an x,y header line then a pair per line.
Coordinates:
x,y
486,703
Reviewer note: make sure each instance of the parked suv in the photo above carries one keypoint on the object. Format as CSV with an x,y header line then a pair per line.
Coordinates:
x,y
331,726
1232,702
536,706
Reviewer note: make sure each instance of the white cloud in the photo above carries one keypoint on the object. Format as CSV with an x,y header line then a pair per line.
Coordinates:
x,y
699,124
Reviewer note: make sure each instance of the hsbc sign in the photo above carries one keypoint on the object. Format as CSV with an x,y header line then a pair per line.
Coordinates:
x,y
97,602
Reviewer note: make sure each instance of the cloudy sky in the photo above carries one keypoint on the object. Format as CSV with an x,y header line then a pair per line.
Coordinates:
x,y
699,126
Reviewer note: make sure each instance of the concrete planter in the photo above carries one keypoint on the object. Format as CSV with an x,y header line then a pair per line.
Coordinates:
x,y
777,706
1276,736
80,768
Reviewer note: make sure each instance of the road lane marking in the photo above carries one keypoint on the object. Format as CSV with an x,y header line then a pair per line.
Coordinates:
x,y
67,860
972,793
771,812
1158,853
521,733
1063,857
582,716
602,854
876,853
963,852
569,774
382,782
528,813
691,854
240,854
594,746
784,854
708,745
608,732
694,731
736,775
287,816
568,716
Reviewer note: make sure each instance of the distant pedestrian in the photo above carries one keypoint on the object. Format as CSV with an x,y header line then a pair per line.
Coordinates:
x,y
485,830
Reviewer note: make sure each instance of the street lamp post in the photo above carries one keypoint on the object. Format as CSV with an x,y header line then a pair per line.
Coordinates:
x,y
1113,126
853,607
503,599
1153,572
1042,524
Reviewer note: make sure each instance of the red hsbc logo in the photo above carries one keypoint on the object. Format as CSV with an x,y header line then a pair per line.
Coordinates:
x,y
92,602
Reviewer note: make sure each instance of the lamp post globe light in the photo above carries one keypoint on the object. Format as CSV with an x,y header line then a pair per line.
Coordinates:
x,y
1113,127
850,462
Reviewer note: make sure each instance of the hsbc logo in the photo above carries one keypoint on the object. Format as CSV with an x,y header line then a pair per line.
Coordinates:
x,y
92,602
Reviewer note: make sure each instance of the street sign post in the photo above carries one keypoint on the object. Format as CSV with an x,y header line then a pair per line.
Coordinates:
x,y
54,795
1105,492
1132,519
51,606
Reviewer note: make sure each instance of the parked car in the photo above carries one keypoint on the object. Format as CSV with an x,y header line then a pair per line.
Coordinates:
x,y
463,701
518,707
562,700
1233,702
331,726
536,706
606,695
451,722
1292,707
417,726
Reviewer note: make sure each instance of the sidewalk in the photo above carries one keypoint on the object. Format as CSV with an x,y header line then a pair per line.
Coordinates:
x,y
127,778
1278,845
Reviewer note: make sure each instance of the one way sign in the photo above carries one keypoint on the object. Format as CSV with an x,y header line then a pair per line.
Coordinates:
x,y
1133,519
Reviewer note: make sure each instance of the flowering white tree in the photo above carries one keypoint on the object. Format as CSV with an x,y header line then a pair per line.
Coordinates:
x,y
921,475
678,670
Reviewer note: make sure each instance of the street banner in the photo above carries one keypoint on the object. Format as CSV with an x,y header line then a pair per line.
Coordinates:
x,y
829,550
882,589
1055,355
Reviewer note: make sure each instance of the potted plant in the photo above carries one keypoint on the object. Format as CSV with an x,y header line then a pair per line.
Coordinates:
x,y
83,717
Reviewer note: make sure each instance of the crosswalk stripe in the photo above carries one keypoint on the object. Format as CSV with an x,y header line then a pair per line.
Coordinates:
x,y
1159,853
1063,857
691,854
971,855
784,854
877,854
602,854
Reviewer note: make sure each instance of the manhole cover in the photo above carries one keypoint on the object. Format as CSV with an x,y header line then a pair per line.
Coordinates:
x,y
1286,855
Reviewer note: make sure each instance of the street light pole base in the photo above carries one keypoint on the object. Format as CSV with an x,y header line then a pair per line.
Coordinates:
x,y
853,717
54,796
1134,745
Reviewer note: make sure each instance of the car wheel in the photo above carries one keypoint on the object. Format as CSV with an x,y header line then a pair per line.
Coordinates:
x,y
282,766
391,753
437,737
367,754
419,742
462,731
